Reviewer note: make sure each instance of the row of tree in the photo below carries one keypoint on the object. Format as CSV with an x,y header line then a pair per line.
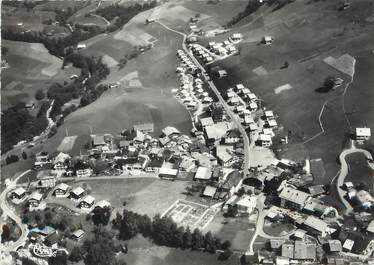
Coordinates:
x,y
164,231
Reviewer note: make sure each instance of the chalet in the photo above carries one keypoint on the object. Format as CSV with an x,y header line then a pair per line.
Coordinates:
x,y
203,174
231,94
317,226
216,132
239,87
84,172
209,191
170,131
102,204
41,159
207,100
35,199
245,91
246,205
265,140
232,137
168,173
234,101
77,193
363,134
87,202
61,190
154,165
348,245
253,127
224,154
269,114
304,251
98,141
236,37
81,46
293,198
271,123
77,234
52,240
60,162
253,106
221,73
364,199
267,40
251,97
144,128
18,193
46,179
216,111
248,120
335,246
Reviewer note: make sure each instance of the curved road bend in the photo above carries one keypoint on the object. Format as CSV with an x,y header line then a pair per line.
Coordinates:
x,y
220,98
261,214
344,172
8,212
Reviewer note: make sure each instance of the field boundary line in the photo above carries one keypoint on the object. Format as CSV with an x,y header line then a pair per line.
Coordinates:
x,y
320,124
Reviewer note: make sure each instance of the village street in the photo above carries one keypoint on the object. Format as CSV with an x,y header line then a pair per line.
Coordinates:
x,y
8,212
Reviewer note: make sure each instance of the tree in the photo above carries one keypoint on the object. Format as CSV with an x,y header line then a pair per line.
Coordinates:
x,y
76,254
209,243
101,215
24,155
39,95
225,255
226,245
197,240
60,259
11,159
5,236
100,251
187,238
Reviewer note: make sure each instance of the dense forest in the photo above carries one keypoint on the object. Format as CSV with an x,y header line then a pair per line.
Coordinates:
x,y
18,124
122,14
253,6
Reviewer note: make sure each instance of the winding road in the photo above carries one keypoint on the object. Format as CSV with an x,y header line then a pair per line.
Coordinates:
x,y
344,172
8,212
219,96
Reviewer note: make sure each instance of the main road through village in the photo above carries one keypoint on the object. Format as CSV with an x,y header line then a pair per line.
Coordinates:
x,y
219,96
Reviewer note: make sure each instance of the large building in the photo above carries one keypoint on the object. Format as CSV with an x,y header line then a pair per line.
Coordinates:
x,y
293,198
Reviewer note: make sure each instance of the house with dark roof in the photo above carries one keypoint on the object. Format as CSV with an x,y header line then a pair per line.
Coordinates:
x,y
154,165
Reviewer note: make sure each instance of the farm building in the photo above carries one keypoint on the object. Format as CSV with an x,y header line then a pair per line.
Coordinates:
x,y
144,128
168,173
77,193
267,40
60,162
77,234
87,202
203,174
236,37
18,193
293,198
61,190
209,191
265,140
35,199
363,134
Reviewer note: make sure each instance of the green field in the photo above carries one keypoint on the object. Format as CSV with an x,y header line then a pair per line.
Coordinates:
x,y
143,252
360,172
31,68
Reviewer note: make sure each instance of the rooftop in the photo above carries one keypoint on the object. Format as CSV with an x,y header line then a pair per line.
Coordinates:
x,y
296,196
203,173
364,132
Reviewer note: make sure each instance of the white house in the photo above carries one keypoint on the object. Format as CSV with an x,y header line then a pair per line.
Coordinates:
x,y
87,202
363,134
265,140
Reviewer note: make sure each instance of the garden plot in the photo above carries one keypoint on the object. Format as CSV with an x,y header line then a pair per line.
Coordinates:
x,y
190,214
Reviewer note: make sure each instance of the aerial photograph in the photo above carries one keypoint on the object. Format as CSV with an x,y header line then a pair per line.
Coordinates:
x,y
187,132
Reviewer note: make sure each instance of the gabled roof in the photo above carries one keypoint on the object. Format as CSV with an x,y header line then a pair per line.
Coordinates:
x,y
78,233
36,196
77,191
170,130
62,186
296,196
19,191
88,199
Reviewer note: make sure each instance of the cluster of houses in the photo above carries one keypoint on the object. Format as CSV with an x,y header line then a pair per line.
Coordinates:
x,y
246,104
222,48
